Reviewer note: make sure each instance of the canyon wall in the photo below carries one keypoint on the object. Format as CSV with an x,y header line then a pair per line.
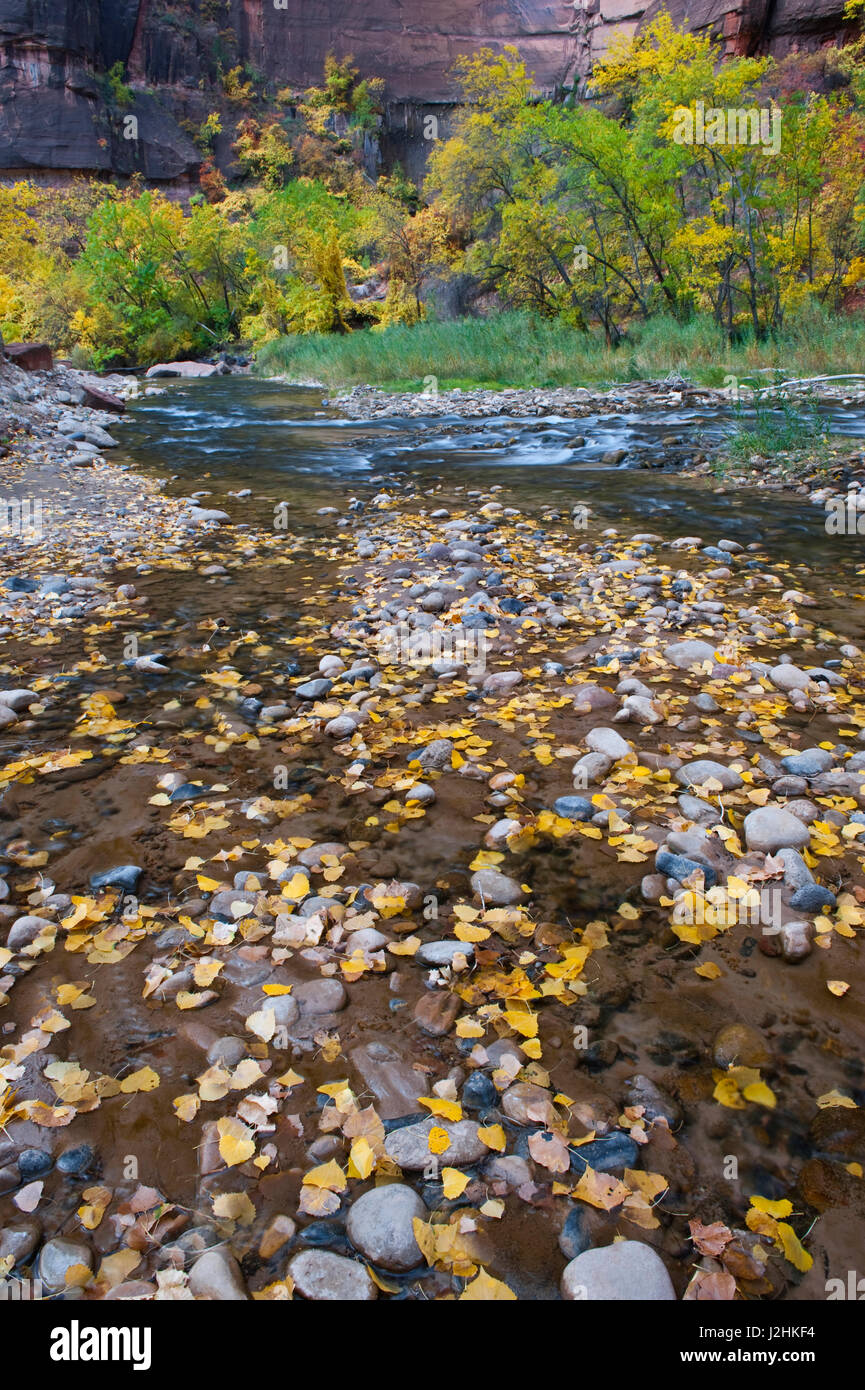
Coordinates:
x,y
61,113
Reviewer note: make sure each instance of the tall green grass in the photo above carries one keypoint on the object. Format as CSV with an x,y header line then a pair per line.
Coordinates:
x,y
518,350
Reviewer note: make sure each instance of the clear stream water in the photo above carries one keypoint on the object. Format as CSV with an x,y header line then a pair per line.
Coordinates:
x,y
228,434
224,434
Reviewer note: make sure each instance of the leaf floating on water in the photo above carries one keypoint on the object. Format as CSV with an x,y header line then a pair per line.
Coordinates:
x,y
235,1141
835,1098
484,1288
145,1079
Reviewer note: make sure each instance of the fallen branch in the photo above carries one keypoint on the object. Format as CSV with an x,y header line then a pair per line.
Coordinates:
x,y
811,381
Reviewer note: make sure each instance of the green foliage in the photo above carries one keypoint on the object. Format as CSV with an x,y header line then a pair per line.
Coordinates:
x,y
589,221
119,93
264,151
774,426
234,86
519,349
207,132
608,212
342,94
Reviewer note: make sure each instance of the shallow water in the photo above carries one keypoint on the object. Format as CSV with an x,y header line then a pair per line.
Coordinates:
x,y
647,1010
221,435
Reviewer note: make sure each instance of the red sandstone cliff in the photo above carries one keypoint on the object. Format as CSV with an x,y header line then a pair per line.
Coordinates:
x,y
58,114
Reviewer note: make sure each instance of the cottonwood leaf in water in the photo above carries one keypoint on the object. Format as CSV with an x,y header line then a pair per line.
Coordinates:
x,y
366,1124
449,1245
494,1137
143,1199
235,1141
47,1116
600,1190
793,1249
407,947
484,1288
550,1151
328,1175
330,1045
194,999
78,1276
262,1024
206,970
783,1207
710,1240
361,1159
438,1140
115,1269
214,1083
493,1208
318,1201
454,1183
27,1198
445,1109
246,1073
290,1078
280,1291
708,971
145,1079
234,1206
835,1098
256,1109
97,1200
705,1287
187,1107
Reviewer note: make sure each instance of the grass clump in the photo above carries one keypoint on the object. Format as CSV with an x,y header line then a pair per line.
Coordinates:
x,y
520,350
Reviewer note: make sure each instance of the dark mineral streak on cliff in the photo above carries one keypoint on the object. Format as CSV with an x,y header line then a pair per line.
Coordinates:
x,y
58,114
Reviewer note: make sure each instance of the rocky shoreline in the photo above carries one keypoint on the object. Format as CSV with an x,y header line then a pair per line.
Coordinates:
x,y
370,402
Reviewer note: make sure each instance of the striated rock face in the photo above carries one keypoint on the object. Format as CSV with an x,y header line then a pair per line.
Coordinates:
x,y
59,113
760,26
412,44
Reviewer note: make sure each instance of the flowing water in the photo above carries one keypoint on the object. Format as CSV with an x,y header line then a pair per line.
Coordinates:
x,y
224,434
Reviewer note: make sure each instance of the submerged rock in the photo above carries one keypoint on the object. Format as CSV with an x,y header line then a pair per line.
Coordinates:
x,y
628,1270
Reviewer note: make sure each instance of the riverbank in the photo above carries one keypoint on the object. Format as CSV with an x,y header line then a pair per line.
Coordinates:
x,y
446,841
518,351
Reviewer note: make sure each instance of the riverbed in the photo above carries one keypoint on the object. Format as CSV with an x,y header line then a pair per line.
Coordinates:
x,y
348,890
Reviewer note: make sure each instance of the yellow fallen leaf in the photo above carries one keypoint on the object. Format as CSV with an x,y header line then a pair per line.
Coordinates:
x,y
439,1140
262,1024
361,1158
494,1137
783,1207
145,1079
484,1288
235,1140
444,1109
328,1175
760,1094
454,1183
835,1098
234,1206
